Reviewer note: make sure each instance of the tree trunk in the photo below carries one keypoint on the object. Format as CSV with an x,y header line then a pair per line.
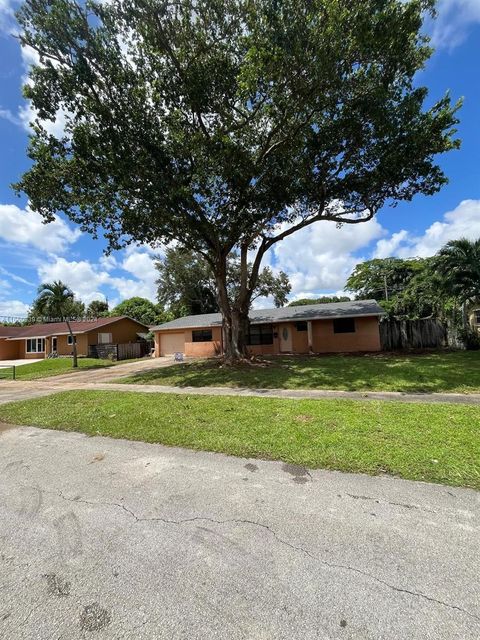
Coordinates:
x,y
465,319
74,344
234,317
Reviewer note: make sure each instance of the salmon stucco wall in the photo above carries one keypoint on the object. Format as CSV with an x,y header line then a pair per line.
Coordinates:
x,y
190,348
366,337
23,355
204,349
262,349
299,339
65,349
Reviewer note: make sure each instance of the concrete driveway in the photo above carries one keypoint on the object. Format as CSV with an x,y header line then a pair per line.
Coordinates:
x,y
111,539
18,362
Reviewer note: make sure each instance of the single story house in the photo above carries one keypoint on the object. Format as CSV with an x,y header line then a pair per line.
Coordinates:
x,y
39,340
317,328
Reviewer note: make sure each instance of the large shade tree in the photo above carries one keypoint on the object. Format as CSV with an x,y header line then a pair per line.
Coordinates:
x,y
229,124
186,283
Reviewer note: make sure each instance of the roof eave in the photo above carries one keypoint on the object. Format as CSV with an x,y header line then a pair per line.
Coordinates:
x,y
377,314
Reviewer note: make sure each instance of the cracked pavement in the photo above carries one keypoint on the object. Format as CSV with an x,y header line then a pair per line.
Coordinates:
x,y
111,539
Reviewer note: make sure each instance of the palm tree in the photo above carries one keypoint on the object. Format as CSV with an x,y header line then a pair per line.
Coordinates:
x,y
459,264
55,299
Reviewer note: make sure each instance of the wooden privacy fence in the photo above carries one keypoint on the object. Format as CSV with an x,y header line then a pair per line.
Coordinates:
x,y
414,334
119,351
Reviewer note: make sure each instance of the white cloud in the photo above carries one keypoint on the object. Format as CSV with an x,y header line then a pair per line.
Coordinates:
x,y
25,227
89,281
84,278
321,257
308,294
7,18
14,277
26,114
13,309
462,222
454,21
263,302
108,262
6,114
138,261
389,246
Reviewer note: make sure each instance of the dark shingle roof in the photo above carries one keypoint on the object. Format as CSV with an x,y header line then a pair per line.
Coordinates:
x,y
7,332
354,308
60,328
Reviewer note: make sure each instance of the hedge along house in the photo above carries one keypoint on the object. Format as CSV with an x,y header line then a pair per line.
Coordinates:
x,y
317,328
39,340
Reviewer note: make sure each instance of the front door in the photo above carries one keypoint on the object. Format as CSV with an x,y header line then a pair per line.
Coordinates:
x,y
285,333
54,344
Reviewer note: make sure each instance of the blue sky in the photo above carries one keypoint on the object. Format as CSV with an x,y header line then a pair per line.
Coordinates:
x,y
318,259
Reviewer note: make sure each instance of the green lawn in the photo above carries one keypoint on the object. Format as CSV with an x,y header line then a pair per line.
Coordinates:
x,y
52,367
433,372
437,443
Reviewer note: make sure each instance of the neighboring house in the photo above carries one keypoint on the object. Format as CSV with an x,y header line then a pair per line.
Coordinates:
x,y
474,316
316,328
39,340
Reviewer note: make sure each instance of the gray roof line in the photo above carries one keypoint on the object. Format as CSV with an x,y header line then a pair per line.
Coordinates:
x,y
330,310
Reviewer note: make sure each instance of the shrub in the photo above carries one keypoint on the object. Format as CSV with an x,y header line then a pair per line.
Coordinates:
x,y
470,339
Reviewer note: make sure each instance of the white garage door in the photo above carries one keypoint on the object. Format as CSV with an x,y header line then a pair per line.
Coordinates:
x,y
170,343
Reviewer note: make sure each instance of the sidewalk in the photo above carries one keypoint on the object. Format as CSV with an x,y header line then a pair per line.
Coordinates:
x,y
12,391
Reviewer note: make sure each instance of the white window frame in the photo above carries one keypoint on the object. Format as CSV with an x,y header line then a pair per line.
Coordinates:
x,y
102,341
70,341
37,345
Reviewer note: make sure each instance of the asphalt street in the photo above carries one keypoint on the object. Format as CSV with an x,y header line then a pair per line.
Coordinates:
x,y
108,539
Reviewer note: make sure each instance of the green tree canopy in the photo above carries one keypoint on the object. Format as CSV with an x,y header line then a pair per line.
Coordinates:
x,y
322,300
459,264
56,302
140,309
229,125
97,309
412,288
382,278
186,283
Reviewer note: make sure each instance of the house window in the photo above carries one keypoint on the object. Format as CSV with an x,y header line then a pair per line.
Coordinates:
x,y
260,334
344,325
301,326
104,338
70,341
477,316
202,335
35,345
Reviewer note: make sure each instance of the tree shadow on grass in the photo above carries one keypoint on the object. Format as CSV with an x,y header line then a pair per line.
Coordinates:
x,y
414,373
